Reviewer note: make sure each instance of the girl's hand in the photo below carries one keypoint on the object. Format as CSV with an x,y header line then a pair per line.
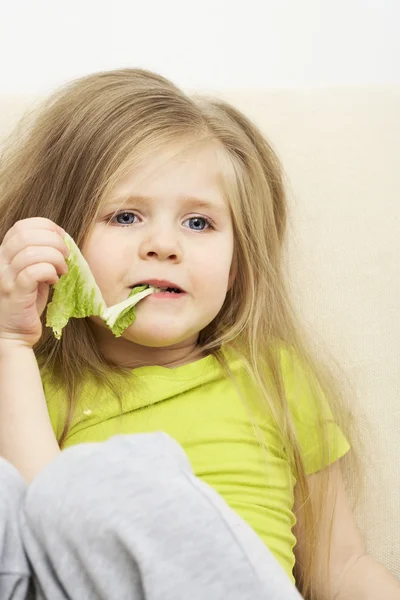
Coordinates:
x,y
32,257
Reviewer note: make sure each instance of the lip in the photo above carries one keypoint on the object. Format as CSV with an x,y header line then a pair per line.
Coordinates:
x,y
166,296
160,283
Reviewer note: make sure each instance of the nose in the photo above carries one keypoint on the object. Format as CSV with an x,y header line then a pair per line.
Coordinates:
x,y
161,245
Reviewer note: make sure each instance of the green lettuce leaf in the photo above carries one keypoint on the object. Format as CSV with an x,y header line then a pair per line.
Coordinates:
x,y
76,294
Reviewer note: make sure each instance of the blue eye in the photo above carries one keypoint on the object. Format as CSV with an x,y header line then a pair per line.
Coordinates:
x,y
199,223
125,218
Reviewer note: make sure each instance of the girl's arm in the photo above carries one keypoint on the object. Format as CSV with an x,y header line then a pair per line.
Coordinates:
x,y
26,434
355,575
32,257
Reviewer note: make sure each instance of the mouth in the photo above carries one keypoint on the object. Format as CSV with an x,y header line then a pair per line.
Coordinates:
x,y
163,285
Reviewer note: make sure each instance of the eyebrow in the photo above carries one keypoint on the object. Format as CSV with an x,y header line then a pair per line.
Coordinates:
x,y
186,201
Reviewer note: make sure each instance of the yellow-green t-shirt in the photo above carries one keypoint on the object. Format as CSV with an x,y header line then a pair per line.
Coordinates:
x,y
200,407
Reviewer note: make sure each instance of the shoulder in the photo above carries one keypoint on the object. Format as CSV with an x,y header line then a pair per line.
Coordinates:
x,y
308,397
313,407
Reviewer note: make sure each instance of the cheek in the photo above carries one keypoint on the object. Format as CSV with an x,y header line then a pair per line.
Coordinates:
x,y
211,270
98,261
108,269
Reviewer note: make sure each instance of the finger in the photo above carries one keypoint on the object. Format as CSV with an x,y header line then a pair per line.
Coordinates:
x,y
34,223
29,238
38,254
28,279
7,280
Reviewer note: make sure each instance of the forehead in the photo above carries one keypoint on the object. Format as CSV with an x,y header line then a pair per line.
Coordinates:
x,y
191,170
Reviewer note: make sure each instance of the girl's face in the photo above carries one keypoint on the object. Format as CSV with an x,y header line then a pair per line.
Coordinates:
x,y
175,227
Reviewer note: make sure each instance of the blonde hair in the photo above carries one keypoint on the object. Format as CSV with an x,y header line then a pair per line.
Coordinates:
x,y
84,138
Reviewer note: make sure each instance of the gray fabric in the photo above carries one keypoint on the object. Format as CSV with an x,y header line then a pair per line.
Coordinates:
x,y
127,519
15,581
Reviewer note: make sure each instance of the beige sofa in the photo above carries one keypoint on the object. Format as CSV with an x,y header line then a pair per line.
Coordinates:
x,y
341,151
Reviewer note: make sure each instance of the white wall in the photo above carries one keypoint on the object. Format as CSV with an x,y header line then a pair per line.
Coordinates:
x,y
208,44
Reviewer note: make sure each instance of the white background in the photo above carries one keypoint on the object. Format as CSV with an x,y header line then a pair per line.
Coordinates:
x,y
205,44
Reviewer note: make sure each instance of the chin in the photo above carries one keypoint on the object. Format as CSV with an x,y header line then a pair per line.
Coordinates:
x,y
153,339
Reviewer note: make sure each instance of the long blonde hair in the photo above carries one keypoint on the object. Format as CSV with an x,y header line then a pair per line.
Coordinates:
x,y
77,147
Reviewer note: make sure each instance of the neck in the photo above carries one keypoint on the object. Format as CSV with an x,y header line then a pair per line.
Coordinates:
x,y
125,353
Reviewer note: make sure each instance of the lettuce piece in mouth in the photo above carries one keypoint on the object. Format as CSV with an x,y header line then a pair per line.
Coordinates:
x,y
76,294
123,314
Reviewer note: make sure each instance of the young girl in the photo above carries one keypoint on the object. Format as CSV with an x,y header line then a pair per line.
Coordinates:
x,y
185,193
